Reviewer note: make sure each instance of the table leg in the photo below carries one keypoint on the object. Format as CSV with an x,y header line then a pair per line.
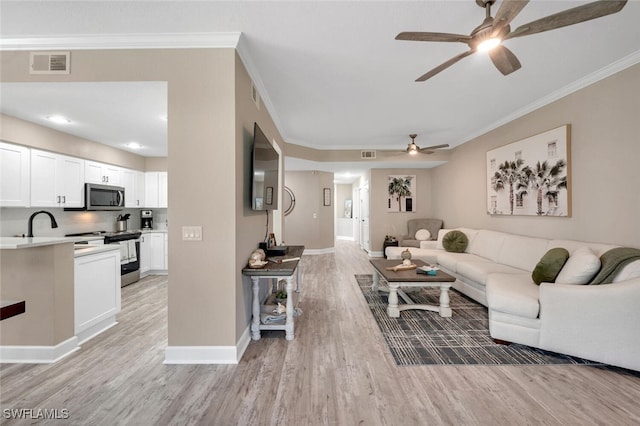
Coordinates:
x,y
288,326
376,282
392,309
298,278
255,308
445,310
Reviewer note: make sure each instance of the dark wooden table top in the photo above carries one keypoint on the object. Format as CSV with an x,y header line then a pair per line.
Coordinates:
x,y
407,276
272,269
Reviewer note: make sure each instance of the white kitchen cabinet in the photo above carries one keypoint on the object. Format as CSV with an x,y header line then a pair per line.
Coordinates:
x,y
133,183
155,189
14,176
100,173
56,180
96,293
145,254
153,253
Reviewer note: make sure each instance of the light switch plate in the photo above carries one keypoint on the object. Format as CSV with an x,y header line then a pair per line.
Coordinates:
x,y
192,233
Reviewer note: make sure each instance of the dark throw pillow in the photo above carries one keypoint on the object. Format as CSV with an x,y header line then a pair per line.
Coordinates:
x,y
455,241
550,265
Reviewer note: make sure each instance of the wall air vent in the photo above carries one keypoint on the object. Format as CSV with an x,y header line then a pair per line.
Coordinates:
x,y
49,62
255,96
367,155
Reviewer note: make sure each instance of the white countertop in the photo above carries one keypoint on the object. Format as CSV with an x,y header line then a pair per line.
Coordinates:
x,y
26,242
85,250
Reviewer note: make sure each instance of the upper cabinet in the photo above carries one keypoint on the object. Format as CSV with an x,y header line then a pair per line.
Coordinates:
x,y
14,176
104,174
56,180
31,177
133,183
155,189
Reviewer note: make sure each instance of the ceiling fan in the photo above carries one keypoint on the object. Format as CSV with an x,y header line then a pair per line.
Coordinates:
x,y
489,35
413,149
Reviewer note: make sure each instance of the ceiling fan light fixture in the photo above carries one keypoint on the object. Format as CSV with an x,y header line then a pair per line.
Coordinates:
x,y
489,44
412,149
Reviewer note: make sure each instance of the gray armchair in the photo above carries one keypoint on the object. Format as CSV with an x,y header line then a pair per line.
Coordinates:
x,y
414,225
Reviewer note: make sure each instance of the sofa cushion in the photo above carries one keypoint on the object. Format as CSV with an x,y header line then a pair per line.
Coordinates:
x,y
487,244
455,241
581,267
550,265
522,252
514,294
479,271
450,260
423,235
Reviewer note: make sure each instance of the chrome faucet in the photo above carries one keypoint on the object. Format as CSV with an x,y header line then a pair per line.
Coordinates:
x,y
54,224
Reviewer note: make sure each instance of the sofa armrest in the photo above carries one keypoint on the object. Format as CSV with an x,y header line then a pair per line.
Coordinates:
x,y
597,322
428,244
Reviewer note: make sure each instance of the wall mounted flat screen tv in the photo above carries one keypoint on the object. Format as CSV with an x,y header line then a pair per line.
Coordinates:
x,y
265,163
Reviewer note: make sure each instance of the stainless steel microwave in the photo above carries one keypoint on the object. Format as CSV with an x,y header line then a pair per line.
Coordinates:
x,y
102,197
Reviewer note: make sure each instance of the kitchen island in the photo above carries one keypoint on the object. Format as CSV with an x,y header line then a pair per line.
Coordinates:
x,y
40,271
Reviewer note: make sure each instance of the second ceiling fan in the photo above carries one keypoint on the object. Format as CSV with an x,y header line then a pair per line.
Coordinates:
x,y
493,31
413,149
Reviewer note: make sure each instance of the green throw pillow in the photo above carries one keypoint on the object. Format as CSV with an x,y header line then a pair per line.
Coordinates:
x,y
455,241
550,265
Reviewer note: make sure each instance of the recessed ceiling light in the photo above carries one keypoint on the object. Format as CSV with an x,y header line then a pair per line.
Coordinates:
x,y
133,145
58,119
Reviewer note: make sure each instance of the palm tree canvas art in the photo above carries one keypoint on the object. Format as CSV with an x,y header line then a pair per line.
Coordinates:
x,y
531,176
402,193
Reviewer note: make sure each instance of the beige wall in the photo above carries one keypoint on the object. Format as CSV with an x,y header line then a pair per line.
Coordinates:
x,y
302,227
202,170
383,222
605,156
250,226
343,193
43,278
15,130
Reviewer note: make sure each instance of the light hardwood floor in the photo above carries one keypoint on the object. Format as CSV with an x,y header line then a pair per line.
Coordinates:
x,y
337,371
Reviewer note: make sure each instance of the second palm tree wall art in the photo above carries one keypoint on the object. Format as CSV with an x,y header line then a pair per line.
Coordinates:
x,y
531,177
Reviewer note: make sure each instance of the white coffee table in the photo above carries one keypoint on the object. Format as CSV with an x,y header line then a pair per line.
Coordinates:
x,y
410,278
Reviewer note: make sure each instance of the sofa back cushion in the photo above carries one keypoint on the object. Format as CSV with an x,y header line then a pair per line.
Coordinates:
x,y
487,244
573,245
522,252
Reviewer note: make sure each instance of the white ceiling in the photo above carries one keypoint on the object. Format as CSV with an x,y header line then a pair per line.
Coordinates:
x,y
331,72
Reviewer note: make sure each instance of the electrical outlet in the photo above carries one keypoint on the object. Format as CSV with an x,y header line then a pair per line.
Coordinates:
x,y
192,233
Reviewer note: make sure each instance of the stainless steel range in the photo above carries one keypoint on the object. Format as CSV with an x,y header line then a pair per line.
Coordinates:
x,y
129,242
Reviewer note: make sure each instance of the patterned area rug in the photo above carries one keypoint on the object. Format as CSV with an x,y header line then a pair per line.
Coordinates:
x,y
423,337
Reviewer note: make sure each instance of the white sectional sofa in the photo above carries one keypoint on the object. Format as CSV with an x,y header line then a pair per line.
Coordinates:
x,y
595,322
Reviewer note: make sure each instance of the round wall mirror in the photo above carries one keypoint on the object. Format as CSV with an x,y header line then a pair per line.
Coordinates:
x,y
289,201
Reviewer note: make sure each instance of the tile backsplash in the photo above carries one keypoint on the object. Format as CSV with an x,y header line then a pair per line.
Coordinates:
x,y
13,221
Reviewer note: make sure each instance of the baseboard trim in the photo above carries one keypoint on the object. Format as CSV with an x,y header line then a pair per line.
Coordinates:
x,y
376,254
38,354
96,329
208,354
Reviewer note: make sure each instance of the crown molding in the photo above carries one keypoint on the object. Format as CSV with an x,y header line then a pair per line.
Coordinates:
x,y
594,77
123,41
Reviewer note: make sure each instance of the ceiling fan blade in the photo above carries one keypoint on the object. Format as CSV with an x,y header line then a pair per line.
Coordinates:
x,y
422,36
444,66
431,148
504,60
567,17
509,9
